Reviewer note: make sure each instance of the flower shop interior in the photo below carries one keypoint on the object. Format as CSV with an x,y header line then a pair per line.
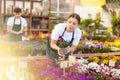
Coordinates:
x,y
97,56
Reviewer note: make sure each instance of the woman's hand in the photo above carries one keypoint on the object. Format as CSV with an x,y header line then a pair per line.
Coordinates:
x,y
72,48
60,52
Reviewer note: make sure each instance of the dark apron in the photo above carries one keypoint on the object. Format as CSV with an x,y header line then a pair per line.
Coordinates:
x,y
53,54
15,37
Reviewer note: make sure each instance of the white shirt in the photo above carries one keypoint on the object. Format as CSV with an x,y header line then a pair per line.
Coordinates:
x,y
10,22
59,29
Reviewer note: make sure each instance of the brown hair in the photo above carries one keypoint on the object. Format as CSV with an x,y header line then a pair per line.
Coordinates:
x,y
17,10
76,16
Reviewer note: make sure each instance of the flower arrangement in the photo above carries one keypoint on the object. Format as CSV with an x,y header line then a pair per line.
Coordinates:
x,y
23,48
90,47
92,68
38,35
98,68
105,59
50,71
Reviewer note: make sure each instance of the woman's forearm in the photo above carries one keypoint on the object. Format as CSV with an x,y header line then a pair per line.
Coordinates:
x,y
54,46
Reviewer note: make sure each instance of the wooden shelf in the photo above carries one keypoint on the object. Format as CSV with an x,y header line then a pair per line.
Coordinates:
x,y
32,20
8,15
40,16
37,0
39,29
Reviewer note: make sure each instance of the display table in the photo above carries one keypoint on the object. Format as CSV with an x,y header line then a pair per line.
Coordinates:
x,y
23,58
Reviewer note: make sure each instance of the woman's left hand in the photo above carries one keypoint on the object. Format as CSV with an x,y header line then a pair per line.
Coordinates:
x,y
60,52
72,48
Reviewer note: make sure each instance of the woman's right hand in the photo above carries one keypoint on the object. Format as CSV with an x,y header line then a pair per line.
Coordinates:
x,y
60,53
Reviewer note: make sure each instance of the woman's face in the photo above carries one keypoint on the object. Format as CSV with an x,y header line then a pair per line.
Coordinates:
x,y
72,24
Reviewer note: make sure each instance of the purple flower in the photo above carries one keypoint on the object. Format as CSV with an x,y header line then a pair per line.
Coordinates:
x,y
115,79
87,46
99,46
94,73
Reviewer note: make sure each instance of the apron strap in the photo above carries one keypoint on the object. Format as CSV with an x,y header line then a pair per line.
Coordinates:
x,y
63,32
71,39
14,21
62,35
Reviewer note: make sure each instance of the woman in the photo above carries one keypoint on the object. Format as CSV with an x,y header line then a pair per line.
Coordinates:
x,y
16,25
65,35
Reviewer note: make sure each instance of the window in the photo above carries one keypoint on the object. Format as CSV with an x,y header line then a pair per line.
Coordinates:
x,y
60,7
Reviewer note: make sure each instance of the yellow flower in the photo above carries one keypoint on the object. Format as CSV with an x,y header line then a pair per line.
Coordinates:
x,y
101,42
115,58
109,30
43,36
104,55
90,58
111,56
116,44
105,61
96,59
30,36
118,57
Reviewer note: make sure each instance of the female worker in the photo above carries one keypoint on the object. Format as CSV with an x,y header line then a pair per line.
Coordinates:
x,y
64,35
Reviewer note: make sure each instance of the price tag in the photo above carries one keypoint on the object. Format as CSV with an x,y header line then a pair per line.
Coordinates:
x,y
111,63
63,64
71,60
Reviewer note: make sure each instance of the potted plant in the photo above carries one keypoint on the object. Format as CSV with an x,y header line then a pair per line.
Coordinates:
x,y
89,24
115,21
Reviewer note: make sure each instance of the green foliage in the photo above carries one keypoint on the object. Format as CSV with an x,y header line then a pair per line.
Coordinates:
x,y
63,44
102,38
89,22
115,21
80,47
92,49
90,25
110,1
97,23
86,22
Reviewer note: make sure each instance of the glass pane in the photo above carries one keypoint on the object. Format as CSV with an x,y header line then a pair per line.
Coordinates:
x,y
46,7
9,7
64,16
64,7
26,8
37,8
54,5
19,4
